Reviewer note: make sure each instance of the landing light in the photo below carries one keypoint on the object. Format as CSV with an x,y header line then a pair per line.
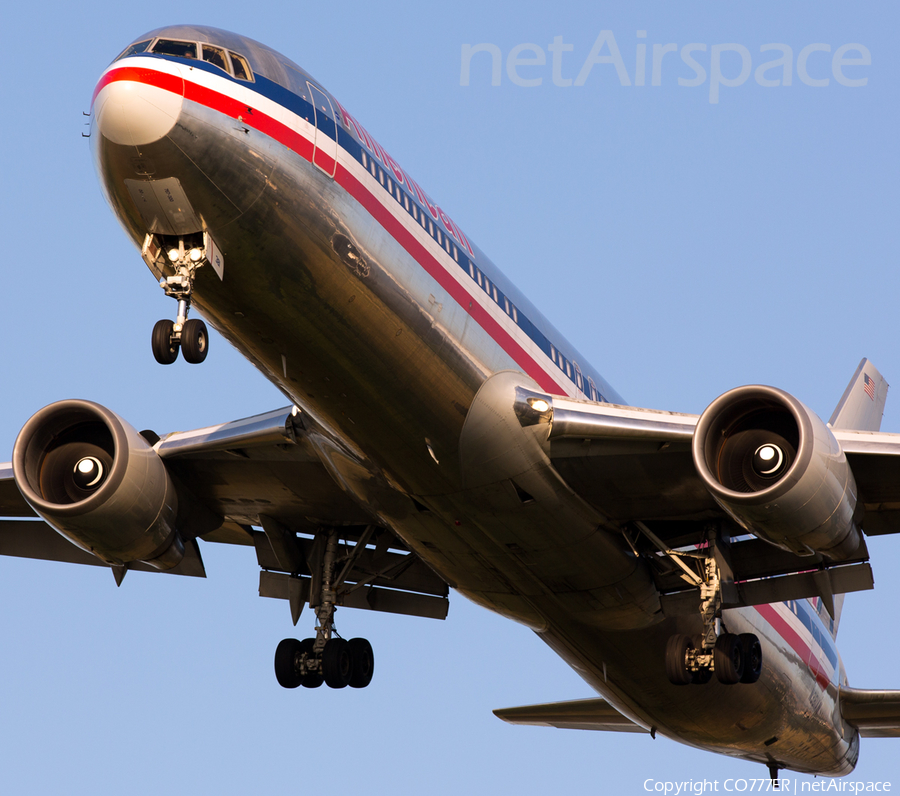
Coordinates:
x,y
196,254
539,405
173,254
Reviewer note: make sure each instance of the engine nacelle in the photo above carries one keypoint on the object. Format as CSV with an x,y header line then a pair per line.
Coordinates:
x,y
777,469
98,482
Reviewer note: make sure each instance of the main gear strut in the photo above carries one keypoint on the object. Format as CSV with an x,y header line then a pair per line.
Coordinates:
x,y
327,657
733,658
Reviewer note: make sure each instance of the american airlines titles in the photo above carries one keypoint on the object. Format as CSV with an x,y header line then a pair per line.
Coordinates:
x,y
379,152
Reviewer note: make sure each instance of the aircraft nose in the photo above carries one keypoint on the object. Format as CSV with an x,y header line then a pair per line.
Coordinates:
x,y
135,107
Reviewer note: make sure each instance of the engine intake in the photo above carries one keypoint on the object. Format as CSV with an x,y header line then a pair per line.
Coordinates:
x,y
778,471
98,482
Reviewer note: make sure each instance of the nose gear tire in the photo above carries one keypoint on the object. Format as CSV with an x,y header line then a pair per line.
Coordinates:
x,y
194,341
165,351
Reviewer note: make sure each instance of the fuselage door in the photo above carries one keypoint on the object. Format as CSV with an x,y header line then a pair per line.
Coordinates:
x,y
325,146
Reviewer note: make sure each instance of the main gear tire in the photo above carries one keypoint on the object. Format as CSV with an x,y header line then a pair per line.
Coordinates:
x,y
363,662
337,663
287,672
752,657
729,659
676,659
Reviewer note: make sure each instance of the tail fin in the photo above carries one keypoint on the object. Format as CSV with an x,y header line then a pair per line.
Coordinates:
x,y
860,409
862,404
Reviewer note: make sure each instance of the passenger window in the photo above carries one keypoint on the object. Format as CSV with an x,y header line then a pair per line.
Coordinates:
x,y
215,56
241,67
134,49
180,49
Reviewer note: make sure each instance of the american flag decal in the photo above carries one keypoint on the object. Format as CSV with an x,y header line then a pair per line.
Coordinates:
x,y
869,386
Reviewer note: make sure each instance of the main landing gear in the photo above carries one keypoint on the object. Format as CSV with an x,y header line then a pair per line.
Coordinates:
x,y
191,336
327,658
732,658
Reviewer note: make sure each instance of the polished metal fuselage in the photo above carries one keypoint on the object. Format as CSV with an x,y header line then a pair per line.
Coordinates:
x,y
333,307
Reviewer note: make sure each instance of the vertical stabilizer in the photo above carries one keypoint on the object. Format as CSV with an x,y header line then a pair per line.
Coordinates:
x,y
860,409
862,404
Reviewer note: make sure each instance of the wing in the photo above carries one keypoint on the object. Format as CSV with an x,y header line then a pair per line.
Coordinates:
x,y
642,469
269,482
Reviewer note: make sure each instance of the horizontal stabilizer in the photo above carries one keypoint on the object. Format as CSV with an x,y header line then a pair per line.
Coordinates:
x,y
875,713
578,714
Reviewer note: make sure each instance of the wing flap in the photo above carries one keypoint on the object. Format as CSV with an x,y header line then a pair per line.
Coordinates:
x,y
875,713
578,714
37,540
371,598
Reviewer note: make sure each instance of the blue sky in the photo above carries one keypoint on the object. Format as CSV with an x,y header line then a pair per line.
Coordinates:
x,y
684,246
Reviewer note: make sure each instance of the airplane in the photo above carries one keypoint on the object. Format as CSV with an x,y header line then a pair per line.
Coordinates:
x,y
690,569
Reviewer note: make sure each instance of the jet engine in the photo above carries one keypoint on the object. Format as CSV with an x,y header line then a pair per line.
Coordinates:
x,y
98,482
777,469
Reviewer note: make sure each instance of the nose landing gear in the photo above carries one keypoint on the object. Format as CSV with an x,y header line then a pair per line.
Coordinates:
x,y
191,336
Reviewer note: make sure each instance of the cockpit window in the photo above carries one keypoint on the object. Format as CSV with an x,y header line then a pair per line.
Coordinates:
x,y
215,56
241,67
228,61
180,49
134,49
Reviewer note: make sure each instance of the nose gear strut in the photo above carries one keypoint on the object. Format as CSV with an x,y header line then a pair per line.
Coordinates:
x,y
191,336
